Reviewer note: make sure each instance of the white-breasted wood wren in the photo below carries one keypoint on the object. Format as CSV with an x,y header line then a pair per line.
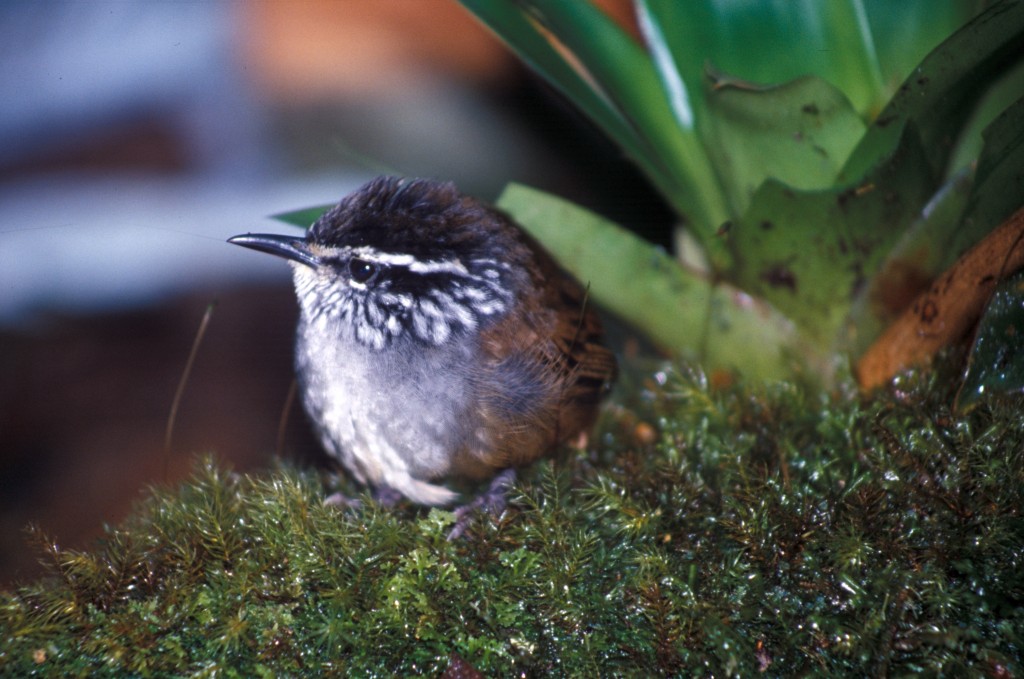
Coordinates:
x,y
436,340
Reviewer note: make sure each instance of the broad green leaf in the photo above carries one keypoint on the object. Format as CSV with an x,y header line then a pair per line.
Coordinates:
x,y
675,307
631,277
303,218
939,96
996,363
799,133
809,252
999,185
626,74
772,42
906,31
997,99
512,24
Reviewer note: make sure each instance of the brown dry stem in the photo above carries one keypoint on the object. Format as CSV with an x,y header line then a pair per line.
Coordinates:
x,y
948,309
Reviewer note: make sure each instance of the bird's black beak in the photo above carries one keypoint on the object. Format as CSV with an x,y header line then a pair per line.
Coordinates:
x,y
289,247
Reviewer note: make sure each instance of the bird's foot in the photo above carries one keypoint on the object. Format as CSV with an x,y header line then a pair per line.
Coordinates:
x,y
342,501
493,500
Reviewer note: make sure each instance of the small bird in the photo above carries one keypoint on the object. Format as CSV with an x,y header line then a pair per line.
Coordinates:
x,y
437,342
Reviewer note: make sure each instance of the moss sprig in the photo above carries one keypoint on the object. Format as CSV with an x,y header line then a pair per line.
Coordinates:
x,y
715,530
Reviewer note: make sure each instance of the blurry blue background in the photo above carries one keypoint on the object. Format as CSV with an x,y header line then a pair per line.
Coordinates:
x,y
134,131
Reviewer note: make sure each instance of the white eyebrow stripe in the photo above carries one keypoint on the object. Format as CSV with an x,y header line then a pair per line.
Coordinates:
x,y
452,266
443,266
372,255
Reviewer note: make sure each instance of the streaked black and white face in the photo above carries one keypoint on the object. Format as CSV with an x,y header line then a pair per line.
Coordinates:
x,y
383,296
404,259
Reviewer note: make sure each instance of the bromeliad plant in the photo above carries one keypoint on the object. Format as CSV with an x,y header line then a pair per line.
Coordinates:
x,y
813,210
820,205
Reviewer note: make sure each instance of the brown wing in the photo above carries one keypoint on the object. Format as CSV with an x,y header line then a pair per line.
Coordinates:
x,y
546,374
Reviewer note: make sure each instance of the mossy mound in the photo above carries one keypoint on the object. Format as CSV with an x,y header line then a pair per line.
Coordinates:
x,y
713,531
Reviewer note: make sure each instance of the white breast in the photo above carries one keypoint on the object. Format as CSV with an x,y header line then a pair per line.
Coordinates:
x,y
392,417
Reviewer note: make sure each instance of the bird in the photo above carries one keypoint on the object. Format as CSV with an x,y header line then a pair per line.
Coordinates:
x,y
438,343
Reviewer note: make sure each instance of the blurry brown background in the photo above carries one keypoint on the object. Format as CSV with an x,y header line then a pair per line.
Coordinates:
x,y
138,137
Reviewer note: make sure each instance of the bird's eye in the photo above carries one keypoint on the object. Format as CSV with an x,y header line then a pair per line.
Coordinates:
x,y
361,270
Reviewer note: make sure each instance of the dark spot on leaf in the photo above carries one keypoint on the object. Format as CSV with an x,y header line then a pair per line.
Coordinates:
x,y
928,311
864,246
895,287
882,121
779,276
810,109
845,197
766,225
859,281
923,80
725,228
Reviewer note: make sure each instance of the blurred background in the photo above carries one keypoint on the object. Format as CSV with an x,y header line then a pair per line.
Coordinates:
x,y
137,136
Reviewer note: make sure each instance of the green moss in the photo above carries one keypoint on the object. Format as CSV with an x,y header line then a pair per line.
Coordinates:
x,y
770,529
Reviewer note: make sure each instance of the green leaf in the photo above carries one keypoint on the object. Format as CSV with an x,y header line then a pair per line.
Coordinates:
x,y
996,364
906,31
996,99
513,25
631,277
675,307
303,218
809,252
845,42
613,80
999,184
799,133
626,73
938,97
